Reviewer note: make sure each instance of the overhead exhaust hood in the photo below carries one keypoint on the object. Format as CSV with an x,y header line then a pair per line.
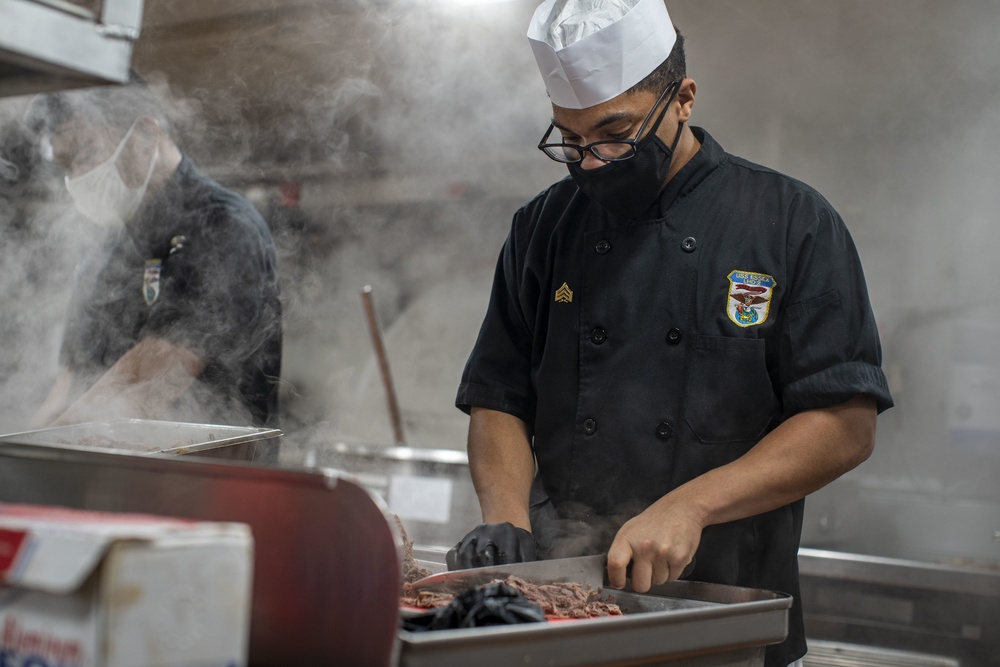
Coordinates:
x,y
48,45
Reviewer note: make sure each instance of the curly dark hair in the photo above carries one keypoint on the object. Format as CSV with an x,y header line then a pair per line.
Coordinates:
x,y
674,68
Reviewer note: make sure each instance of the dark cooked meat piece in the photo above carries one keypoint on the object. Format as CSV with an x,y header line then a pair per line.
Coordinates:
x,y
411,571
492,604
564,600
558,600
424,599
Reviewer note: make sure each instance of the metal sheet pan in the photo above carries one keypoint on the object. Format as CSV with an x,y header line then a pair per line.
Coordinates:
x,y
142,436
681,621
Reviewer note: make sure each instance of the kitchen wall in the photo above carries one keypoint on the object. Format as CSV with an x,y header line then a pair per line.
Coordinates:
x,y
409,130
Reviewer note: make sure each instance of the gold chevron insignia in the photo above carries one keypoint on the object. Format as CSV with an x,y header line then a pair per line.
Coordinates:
x,y
564,294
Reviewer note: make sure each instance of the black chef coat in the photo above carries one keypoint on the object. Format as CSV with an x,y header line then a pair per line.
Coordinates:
x,y
643,353
197,268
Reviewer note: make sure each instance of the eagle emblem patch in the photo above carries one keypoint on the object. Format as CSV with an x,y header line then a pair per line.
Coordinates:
x,y
151,281
749,298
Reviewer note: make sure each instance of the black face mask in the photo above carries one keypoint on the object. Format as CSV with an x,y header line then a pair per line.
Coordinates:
x,y
627,188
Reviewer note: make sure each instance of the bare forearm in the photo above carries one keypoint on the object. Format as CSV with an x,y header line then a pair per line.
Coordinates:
x,y
142,383
808,451
55,401
502,466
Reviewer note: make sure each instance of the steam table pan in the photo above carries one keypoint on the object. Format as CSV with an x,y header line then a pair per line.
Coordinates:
x,y
680,623
142,437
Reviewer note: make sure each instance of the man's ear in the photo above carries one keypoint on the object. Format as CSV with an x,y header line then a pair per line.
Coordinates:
x,y
685,97
147,130
139,151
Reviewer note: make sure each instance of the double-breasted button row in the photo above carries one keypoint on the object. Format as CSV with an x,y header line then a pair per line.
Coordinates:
x,y
599,335
664,430
689,244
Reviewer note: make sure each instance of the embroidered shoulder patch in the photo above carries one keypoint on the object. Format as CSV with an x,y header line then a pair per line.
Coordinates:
x,y
749,298
564,294
151,281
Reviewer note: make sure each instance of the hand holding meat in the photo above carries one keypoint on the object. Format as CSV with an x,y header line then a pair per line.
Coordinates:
x,y
659,543
493,544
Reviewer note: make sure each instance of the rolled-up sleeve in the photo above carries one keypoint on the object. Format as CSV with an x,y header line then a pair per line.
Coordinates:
x,y
830,350
498,373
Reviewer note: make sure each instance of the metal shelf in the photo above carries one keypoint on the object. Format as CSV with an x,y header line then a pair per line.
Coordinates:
x,y
47,46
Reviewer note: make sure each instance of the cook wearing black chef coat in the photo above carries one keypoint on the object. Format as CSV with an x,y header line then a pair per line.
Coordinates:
x,y
178,315
197,267
684,374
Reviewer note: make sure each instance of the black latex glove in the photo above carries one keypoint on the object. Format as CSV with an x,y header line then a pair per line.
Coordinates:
x,y
493,544
492,604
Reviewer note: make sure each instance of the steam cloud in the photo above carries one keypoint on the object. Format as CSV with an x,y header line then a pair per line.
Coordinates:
x,y
420,144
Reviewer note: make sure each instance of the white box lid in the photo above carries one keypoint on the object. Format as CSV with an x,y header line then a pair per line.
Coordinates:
x,y
54,549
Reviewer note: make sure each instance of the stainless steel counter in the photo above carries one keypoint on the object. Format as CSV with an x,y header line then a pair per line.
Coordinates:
x,y
935,611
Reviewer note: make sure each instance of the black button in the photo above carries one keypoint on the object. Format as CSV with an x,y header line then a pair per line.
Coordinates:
x,y
589,426
603,247
598,336
664,430
689,244
674,336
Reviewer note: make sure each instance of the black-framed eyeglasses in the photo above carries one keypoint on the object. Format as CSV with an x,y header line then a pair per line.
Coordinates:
x,y
606,151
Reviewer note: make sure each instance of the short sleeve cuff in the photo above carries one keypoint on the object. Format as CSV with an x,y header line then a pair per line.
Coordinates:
x,y
836,385
493,398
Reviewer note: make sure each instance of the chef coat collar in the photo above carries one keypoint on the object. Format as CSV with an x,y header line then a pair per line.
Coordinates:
x,y
144,231
690,176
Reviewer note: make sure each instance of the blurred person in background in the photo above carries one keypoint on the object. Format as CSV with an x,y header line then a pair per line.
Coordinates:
x,y
680,340
18,164
179,316
26,264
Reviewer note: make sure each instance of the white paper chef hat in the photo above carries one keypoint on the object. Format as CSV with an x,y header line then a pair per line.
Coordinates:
x,y
590,51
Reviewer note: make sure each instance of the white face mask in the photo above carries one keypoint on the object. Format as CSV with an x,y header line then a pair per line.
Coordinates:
x,y
101,194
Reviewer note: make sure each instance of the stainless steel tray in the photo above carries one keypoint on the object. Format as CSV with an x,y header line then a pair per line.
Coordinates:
x,y
142,436
683,621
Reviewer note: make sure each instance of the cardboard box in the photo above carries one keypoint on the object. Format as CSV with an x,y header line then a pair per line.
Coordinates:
x,y
92,589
